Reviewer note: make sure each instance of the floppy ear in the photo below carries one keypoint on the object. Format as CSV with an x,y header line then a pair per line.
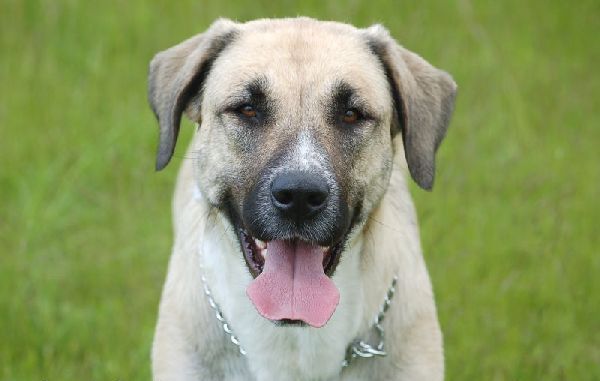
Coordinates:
x,y
423,98
175,77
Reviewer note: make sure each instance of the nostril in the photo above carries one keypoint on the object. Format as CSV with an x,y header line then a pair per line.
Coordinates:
x,y
284,196
316,199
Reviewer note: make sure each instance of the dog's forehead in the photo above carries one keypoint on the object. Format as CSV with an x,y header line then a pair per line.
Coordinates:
x,y
304,56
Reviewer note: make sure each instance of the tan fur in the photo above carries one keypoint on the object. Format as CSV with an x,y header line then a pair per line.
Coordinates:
x,y
301,58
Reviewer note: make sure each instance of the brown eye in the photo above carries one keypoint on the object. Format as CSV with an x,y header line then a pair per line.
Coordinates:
x,y
248,111
350,116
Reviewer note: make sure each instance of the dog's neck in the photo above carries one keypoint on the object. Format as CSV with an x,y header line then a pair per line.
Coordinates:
x,y
311,353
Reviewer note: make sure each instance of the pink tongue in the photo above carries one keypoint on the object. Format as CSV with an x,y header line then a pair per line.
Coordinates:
x,y
293,285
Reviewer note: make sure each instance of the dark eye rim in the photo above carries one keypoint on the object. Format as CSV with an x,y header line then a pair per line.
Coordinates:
x,y
356,113
236,111
243,108
362,117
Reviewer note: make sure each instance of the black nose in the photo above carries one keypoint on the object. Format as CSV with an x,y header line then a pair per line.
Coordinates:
x,y
299,195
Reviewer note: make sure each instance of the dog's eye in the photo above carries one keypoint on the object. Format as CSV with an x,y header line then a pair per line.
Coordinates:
x,y
248,111
351,116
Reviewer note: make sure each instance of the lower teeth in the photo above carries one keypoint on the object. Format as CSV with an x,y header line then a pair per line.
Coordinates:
x,y
260,244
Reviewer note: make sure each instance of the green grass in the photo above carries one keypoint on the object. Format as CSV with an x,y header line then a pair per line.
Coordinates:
x,y
510,232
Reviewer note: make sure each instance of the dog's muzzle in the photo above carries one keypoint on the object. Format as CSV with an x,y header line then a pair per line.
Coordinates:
x,y
292,230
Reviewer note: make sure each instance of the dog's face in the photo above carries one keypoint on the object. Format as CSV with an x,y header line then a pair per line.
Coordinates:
x,y
297,121
296,129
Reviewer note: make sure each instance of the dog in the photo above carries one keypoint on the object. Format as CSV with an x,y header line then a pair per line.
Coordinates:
x,y
297,252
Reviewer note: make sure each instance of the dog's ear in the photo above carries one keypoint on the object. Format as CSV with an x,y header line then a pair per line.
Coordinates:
x,y
423,98
176,75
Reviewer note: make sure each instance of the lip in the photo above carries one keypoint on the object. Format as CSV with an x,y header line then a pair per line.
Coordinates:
x,y
255,250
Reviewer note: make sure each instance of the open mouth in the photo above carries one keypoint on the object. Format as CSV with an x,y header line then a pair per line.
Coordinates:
x,y
255,252
292,282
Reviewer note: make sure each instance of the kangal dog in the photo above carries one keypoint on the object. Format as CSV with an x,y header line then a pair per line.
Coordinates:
x,y
297,252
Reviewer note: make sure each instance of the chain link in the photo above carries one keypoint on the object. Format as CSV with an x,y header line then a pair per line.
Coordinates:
x,y
358,348
221,318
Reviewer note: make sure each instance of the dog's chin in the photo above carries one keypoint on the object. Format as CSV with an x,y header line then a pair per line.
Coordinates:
x,y
255,251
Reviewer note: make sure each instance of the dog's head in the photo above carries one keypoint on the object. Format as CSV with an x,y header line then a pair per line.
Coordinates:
x,y
297,122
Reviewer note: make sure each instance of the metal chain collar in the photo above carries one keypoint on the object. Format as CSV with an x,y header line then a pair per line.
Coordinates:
x,y
220,317
358,348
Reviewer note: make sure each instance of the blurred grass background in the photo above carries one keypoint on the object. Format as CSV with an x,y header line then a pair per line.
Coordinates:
x,y
510,232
